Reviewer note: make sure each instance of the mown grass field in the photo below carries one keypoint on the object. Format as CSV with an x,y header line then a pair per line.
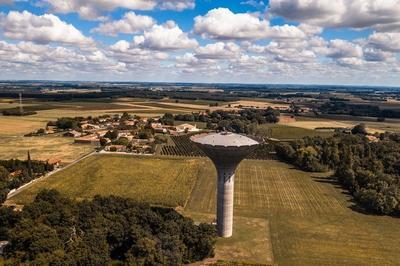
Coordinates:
x,y
309,216
165,182
282,215
284,132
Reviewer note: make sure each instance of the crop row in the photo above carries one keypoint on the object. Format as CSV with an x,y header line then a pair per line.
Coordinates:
x,y
183,146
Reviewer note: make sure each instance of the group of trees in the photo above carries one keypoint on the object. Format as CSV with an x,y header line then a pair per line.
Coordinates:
x,y
346,108
243,121
23,172
65,123
54,230
17,112
369,170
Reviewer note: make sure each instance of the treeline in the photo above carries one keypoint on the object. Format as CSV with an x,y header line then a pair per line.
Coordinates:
x,y
74,122
369,170
14,173
344,108
243,121
128,92
54,230
17,112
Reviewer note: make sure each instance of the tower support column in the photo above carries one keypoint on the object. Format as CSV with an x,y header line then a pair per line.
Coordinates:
x,y
225,191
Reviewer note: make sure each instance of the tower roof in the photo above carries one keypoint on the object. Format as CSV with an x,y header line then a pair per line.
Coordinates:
x,y
224,139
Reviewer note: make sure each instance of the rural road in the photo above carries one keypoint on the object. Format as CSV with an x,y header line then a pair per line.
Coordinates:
x,y
23,187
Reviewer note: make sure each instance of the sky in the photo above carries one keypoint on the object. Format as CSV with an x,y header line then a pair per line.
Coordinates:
x,y
343,42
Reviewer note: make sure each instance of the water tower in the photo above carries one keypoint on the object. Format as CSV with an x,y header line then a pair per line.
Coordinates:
x,y
226,150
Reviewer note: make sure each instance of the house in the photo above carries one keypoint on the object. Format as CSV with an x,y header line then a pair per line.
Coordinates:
x,y
72,134
128,123
89,139
372,138
87,126
187,128
54,161
101,133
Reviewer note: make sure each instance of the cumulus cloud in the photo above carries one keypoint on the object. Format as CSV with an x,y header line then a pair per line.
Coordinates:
x,y
344,49
223,24
387,41
41,29
359,14
92,9
129,24
290,52
127,52
376,55
165,37
177,5
39,58
218,50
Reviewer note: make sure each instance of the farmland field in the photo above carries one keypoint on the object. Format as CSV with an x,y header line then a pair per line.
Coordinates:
x,y
282,215
158,181
284,132
42,148
309,216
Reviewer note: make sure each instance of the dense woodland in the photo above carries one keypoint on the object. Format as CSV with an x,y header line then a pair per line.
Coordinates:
x,y
369,170
14,173
243,121
345,108
54,230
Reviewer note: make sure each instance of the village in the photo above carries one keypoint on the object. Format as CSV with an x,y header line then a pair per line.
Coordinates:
x,y
117,133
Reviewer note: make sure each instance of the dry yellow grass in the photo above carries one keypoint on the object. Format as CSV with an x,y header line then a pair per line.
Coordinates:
x,y
14,126
42,148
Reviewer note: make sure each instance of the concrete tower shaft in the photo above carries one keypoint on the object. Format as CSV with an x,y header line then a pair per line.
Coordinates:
x,y
226,150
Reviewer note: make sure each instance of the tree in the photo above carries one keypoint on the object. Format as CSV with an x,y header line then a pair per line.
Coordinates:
x,y
359,129
66,123
3,174
3,192
112,134
103,142
168,119
121,141
125,116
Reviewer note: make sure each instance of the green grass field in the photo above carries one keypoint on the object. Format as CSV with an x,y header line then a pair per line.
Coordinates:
x,y
283,132
158,181
282,215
